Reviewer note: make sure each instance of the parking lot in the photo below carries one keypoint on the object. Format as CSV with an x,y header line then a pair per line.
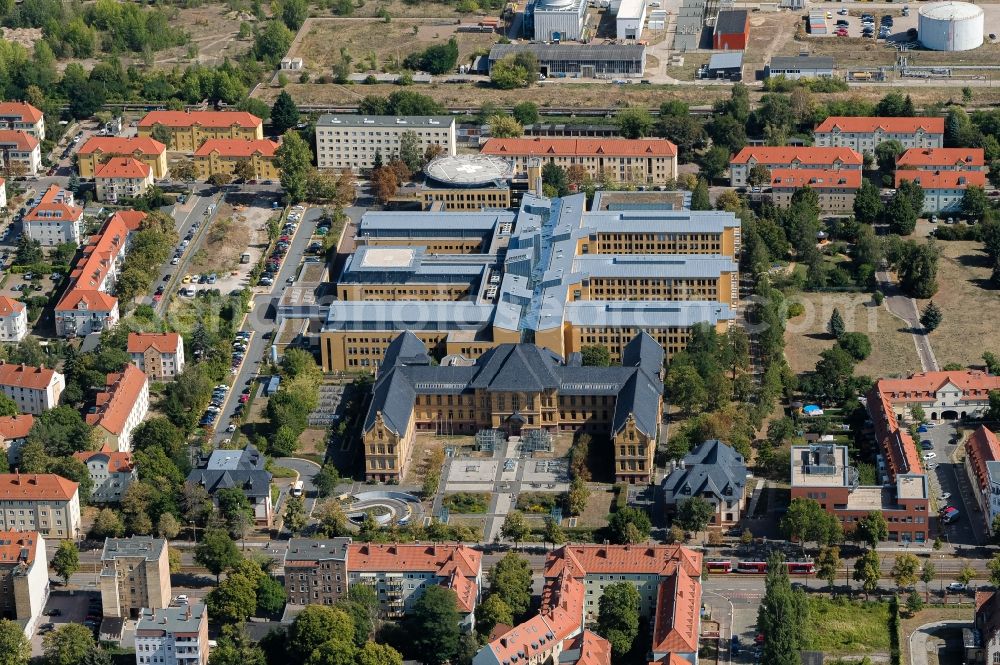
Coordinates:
x,y
947,478
73,607
852,21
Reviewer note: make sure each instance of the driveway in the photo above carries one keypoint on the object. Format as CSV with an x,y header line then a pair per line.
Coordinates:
x,y
306,470
905,309
942,637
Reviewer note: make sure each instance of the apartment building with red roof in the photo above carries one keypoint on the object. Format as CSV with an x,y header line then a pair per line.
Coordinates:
x,y
220,157
42,502
22,117
401,573
189,129
24,578
987,622
33,389
791,157
982,466
111,471
835,189
13,320
56,219
122,178
21,151
159,355
943,190
14,434
145,149
622,160
864,134
942,159
120,407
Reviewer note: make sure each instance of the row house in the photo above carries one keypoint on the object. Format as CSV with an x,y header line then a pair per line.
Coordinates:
x,y
173,636
982,466
791,158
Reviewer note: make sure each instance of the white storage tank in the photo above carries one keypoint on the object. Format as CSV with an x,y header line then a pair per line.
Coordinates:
x,y
950,26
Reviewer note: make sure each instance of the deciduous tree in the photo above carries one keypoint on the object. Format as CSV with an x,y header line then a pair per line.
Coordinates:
x,y
433,626
66,560
618,616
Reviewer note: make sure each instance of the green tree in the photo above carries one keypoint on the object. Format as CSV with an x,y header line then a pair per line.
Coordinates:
x,y
900,215
866,571
694,513
107,524
312,627
67,645
293,159
905,570
993,566
15,649
927,574
491,612
373,653
526,113
596,355
162,134
553,532
326,480
8,407
234,647
510,580
433,626
629,526
827,564
73,469
167,526
914,603
234,599
216,552
62,431
515,527
577,497
66,560
634,123
966,575
410,152
686,388
872,529
931,317
975,204
618,616
507,73
836,325
781,616
272,42
917,269
554,176
270,595
759,176
295,515
714,162
807,521
699,196
294,12
886,153
857,344
503,126
284,113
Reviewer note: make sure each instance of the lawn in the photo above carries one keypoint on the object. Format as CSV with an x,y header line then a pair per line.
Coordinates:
x,y
842,627
893,353
963,289
467,503
537,502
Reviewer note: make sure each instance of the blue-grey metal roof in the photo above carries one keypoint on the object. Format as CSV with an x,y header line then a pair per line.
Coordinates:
x,y
713,471
145,546
517,367
248,459
254,484
311,549
401,122
547,53
183,619
660,221
405,349
643,352
662,266
408,315
802,62
647,314
726,60
438,222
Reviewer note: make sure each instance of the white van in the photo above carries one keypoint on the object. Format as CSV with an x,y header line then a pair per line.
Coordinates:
x,y
297,488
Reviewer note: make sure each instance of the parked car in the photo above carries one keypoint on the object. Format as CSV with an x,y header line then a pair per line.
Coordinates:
x,y
930,455
957,587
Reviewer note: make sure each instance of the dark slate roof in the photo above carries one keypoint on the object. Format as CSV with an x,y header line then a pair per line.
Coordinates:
x,y
254,484
517,367
640,398
713,468
645,353
730,22
393,398
406,349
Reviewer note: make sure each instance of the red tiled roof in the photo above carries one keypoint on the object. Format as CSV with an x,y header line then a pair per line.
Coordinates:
x,y
26,111
53,207
9,306
982,447
116,145
36,487
440,559
238,147
791,155
678,603
96,301
928,157
942,179
117,461
897,444
593,649
132,219
816,178
21,140
25,376
622,559
923,386
162,342
202,118
569,147
97,259
16,427
867,125
18,546
123,167
466,590
115,404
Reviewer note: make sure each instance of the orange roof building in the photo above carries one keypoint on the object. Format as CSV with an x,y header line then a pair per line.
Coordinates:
x,y
24,579
982,466
835,188
111,471
14,434
53,504
33,389
21,149
122,178
98,149
623,160
942,159
220,157
457,567
159,355
791,157
943,190
56,219
121,407
22,117
864,134
13,320
189,129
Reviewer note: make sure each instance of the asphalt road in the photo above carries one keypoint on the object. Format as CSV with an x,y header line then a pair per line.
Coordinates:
x,y
306,470
905,308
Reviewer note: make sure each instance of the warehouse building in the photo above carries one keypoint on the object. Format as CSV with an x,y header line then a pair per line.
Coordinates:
x,y
724,67
630,19
800,67
557,20
732,30
579,61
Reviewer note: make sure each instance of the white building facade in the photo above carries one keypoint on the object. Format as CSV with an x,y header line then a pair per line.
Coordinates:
x,y
172,636
33,389
353,141
13,320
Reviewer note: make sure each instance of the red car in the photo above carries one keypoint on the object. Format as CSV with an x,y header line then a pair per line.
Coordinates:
x,y
158,297
244,399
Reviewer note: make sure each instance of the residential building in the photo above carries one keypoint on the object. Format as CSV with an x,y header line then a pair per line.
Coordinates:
x,y
316,571
159,355
21,151
14,434
578,60
111,472
172,636
189,129
714,472
33,389
400,573
609,275
13,320
354,141
242,469
135,574
220,157
982,466
3,193
642,161
835,189
987,623
943,190
120,408
55,220
864,134
122,178
521,389
81,312
22,117
99,149
791,158
42,502
823,472
732,30
942,159
800,67
942,395
24,578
